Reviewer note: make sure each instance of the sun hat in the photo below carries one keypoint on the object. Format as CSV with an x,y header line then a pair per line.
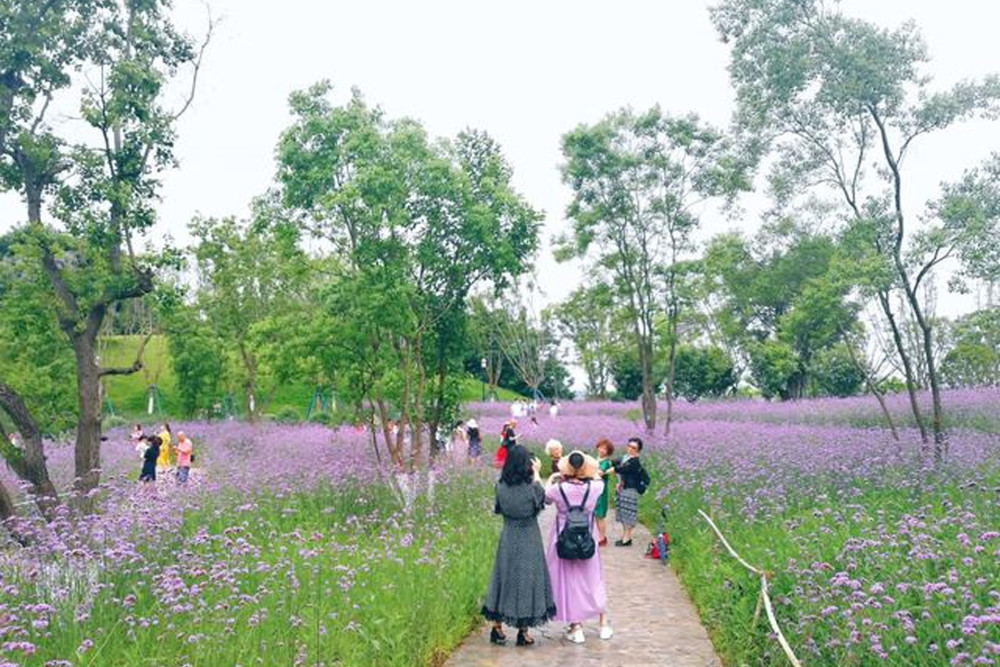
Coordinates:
x,y
589,469
472,423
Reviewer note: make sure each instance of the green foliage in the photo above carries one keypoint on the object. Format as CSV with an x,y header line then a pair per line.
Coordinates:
x,y
974,358
774,365
417,224
703,372
288,415
626,374
198,359
835,373
34,358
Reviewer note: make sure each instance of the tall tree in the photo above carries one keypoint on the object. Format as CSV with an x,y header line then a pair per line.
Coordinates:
x,y
248,272
831,94
105,188
586,319
636,179
418,222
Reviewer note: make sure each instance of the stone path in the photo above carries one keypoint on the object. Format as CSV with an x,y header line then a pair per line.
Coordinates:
x,y
655,622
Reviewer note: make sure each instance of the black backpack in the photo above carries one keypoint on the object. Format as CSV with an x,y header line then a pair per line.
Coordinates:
x,y
575,541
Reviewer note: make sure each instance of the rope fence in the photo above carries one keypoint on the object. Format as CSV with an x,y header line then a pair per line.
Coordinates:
x,y
764,595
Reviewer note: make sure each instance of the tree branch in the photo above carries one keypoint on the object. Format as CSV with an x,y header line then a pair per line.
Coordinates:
x,y
136,365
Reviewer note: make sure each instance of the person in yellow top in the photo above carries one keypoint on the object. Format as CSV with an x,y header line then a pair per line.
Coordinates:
x,y
164,460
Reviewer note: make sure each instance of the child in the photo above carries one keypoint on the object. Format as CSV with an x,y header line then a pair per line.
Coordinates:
x,y
184,449
604,451
634,480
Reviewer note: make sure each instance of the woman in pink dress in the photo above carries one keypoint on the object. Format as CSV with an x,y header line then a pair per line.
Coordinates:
x,y
577,585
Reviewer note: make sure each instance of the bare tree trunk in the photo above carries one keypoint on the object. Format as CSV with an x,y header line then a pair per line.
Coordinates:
x,y
251,386
390,442
911,387
870,384
648,392
418,406
29,464
87,460
674,313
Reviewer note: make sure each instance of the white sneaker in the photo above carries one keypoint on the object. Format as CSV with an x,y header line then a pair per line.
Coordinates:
x,y
576,636
607,632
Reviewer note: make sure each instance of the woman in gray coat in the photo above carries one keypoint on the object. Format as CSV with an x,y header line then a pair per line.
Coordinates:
x,y
520,593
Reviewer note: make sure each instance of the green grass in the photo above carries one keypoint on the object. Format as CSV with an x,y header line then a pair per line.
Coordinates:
x,y
128,394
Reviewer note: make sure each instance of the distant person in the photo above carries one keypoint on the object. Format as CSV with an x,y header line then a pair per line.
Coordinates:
x,y
185,449
605,449
508,438
149,457
459,439
475,440
520,592
633,482
573,559
136,435
165,436
554,409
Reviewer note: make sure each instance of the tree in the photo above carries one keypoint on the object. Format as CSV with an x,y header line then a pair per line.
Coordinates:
x,y
248,272
974,358
703,371
419,224
586,319
635,180
526,343
830,94
778,297
105,189
836,373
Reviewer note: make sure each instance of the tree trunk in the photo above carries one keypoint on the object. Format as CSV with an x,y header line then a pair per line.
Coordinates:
x,y
28,464
870,384
416,447
88,428
390,441
911,387
648,392
251,386
937,414
442,372
671,364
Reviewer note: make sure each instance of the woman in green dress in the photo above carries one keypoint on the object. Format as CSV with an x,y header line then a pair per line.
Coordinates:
x,y
604,451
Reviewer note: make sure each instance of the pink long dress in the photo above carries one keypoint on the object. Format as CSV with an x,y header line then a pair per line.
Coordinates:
x,y
577,585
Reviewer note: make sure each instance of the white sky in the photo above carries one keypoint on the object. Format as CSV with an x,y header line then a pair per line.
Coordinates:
x,y
527,72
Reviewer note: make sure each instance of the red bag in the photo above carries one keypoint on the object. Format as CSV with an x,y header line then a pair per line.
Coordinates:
x,y
659,548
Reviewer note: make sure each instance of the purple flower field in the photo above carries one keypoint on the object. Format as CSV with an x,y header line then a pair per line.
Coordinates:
x,y
877,557
288,547
292,544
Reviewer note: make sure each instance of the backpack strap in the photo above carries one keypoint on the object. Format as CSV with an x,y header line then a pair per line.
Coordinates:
x,y
566,500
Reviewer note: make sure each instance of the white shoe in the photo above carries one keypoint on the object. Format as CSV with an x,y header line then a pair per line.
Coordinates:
x,y
576,636
607,632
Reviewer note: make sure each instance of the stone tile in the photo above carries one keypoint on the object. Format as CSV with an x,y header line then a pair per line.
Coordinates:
x,y
654,621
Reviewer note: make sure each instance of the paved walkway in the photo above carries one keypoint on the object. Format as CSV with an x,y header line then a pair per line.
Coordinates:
x,y
655,622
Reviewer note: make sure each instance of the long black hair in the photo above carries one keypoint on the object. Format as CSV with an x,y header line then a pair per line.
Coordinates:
x,y
517,467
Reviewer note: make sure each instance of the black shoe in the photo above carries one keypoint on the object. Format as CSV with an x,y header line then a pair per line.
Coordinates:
x,y
523,639
623,543
498,638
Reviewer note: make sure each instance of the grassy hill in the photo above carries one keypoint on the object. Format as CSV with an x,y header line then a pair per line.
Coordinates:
x,y
128,394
